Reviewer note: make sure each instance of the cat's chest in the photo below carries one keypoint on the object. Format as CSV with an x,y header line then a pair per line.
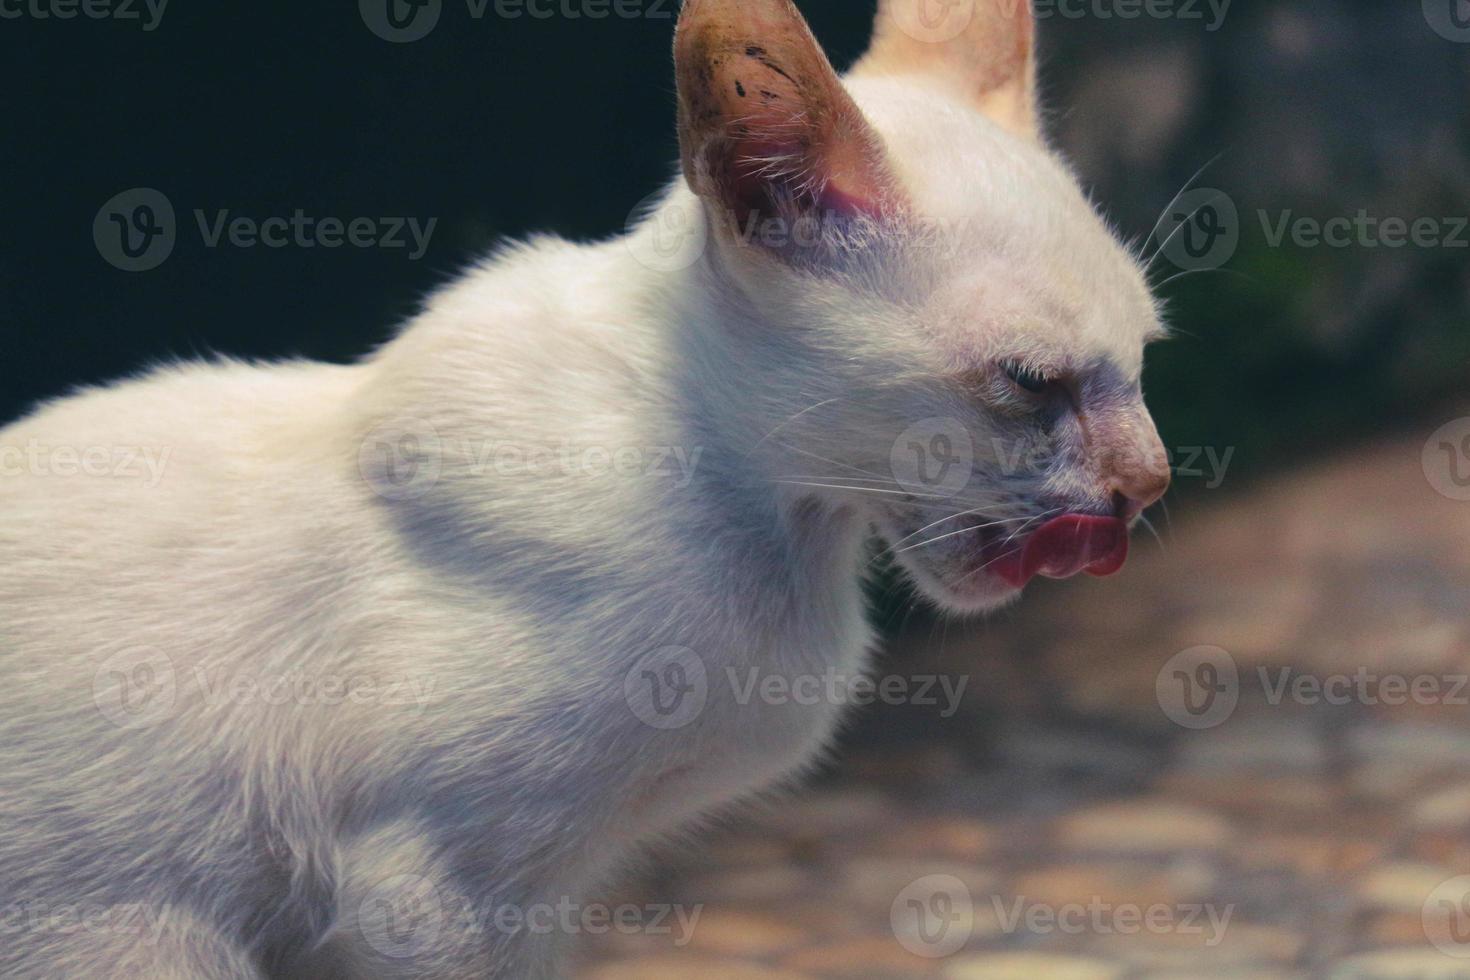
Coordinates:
x,y
746,722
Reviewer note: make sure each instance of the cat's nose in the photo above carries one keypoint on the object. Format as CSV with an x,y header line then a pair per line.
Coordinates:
x,y
1138,488
1130,458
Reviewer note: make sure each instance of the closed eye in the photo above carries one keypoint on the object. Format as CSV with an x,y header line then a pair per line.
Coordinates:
x,y
1027,379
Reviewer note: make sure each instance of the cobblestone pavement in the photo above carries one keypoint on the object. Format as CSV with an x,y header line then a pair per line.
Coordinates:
x,y
1248,757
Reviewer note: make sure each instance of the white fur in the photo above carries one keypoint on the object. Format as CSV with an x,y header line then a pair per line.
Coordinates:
x,y
515,772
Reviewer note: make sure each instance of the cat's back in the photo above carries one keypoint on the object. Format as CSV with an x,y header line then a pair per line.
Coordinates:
x,y
112,496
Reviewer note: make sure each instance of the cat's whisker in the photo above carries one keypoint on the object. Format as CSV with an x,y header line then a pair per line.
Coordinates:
x,y
896,493
1012,537
862,482
963,530
793,418
1148,269
1039,517
1151,530
1190,272
1174,200
926,527
848,479
847,466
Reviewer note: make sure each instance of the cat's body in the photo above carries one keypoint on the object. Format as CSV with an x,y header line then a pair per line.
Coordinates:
x,y
387,648
263,554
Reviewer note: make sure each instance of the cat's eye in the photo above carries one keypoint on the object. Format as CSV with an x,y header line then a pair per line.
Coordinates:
x,y
1026,379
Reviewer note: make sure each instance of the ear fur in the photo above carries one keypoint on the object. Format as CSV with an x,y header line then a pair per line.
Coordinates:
x,y
984,50
766,129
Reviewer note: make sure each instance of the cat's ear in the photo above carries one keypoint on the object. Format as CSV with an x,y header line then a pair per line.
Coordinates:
x,y
766,129
984,50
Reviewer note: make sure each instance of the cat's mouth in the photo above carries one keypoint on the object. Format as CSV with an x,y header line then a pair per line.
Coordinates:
x,y
1062,548
989,563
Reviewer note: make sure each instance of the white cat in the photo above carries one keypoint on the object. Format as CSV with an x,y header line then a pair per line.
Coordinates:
x,y
377,653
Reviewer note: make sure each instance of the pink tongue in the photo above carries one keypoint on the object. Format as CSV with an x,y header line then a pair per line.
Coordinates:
x,y
1066,546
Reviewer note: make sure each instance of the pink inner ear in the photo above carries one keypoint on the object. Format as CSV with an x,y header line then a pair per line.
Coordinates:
x,y
837,200
770,177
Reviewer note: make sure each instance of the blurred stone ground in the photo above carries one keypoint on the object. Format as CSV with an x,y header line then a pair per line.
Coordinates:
x,y
1105,808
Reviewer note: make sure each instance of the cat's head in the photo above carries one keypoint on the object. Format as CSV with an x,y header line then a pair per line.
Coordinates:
x,y
934,327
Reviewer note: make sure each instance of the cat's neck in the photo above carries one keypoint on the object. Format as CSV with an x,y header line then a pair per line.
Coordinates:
x,y
553,343
787,543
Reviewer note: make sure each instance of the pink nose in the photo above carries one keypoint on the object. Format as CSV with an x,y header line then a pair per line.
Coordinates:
x,y
1137,490
1130,458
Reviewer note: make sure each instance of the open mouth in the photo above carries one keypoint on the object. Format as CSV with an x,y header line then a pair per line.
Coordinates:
x,y
1061,548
